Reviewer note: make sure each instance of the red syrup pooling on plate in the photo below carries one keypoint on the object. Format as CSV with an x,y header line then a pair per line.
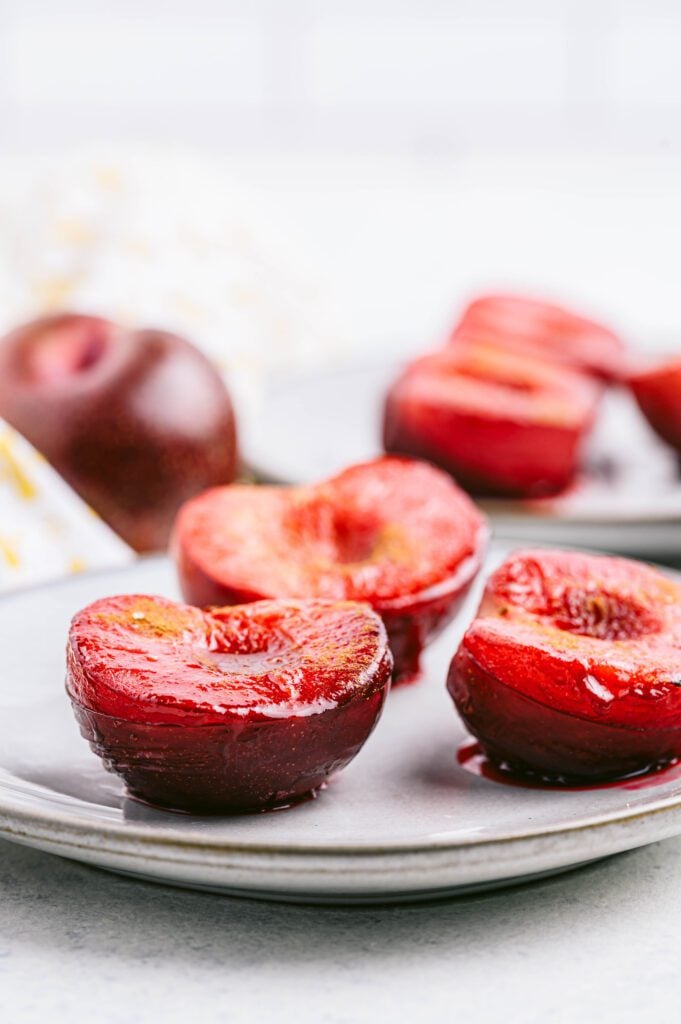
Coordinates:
x,y
473,759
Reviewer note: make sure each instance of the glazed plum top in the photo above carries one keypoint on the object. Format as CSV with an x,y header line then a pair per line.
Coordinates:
x,y
381,532
484,380
585,634
543,328
149,660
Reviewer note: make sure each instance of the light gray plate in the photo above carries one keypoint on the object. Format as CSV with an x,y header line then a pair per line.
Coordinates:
x,y
629,499
402,822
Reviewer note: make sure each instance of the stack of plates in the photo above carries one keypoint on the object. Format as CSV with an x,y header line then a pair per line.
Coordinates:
x,y
404,821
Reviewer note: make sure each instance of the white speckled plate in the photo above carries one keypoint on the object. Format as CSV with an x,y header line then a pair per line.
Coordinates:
x,y
403,821
628,500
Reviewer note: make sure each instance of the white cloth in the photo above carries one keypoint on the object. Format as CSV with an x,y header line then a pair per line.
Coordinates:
x,y
46,531
160,238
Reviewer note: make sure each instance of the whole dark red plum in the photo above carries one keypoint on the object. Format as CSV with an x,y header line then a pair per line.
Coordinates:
x,y
136,421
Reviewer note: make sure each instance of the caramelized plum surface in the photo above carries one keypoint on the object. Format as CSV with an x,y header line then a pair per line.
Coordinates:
x,y
395,533
572,668
239,709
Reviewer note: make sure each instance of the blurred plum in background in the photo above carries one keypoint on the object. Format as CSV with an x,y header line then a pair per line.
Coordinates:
x,y
136,421
658,393
502,422
544,330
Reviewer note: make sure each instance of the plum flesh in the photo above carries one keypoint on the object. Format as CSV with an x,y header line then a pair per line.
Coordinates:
x,y
572,669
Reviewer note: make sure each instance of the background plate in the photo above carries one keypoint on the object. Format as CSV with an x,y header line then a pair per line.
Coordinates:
x,y
402,822
628,500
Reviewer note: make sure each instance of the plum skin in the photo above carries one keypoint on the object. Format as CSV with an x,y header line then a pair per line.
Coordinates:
x,y
135,421
532,738
658,394
239,767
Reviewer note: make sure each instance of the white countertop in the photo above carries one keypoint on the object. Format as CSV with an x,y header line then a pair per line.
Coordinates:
x,y
597,944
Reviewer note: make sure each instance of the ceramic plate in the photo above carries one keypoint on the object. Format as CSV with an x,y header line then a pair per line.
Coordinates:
x,y
629,499
404,821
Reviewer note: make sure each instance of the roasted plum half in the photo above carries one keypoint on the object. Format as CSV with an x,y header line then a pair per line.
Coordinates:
x,y
658,393
395,533
136,421
239,709
544,330
501,423
572,668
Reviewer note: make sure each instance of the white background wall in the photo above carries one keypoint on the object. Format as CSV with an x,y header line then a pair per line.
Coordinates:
x,y
440,76
425,149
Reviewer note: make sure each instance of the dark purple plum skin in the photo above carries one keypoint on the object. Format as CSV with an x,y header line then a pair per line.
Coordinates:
x,y
136,421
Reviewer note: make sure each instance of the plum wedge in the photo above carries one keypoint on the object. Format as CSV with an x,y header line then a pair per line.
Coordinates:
x,y
235,710
572,668
502,423
395,533
136,421
544,330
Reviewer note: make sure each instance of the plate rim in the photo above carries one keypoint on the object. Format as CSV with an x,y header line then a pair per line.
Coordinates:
x,y
150,837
